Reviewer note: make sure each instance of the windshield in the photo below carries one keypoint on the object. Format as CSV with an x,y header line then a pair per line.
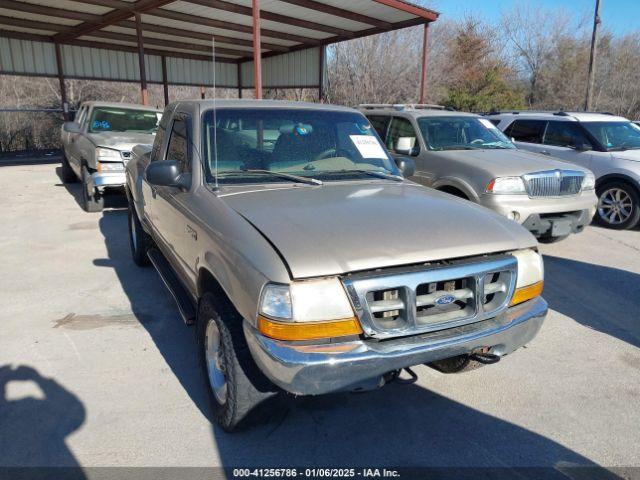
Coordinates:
x,y
105,119
615,135
461,133
275,145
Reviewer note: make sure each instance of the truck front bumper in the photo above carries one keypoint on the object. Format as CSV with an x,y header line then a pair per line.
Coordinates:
x,y
106,179
317,369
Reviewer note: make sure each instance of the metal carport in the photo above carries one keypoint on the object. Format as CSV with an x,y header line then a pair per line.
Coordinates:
x,y
259,43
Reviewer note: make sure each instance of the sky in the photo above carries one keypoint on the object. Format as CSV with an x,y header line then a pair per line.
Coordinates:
x,y
619,16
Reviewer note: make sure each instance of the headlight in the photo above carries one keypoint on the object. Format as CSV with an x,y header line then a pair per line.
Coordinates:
x,y
110,167
589,182
107,153
307,310
506,185
530,276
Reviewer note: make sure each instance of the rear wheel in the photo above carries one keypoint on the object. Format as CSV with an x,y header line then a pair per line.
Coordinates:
x,y
92,201
68,175
618,206
235,384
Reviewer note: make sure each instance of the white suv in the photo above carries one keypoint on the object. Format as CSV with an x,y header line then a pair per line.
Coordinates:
x,y
606,144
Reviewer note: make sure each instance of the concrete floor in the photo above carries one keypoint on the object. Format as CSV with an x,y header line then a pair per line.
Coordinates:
x,y
97,369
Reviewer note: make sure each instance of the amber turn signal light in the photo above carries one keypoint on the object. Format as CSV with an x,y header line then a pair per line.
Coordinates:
x,y
527,293
308,330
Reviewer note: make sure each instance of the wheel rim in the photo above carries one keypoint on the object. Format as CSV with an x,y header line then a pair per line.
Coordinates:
x,y
615,206
134,235
215,362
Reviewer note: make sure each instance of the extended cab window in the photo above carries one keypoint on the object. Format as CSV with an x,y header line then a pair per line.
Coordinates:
x,y
258,145
530,131
400,127
379,122
178,148
566,134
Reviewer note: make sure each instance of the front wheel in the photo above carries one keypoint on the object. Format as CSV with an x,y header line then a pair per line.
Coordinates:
x,y
618,206
68,175
139,240
235,384
92,201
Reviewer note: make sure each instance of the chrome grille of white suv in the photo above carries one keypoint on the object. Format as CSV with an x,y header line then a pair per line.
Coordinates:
x,y
554,183
395,302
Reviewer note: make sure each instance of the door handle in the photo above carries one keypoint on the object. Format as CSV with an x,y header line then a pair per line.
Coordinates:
x,y
154,192
545,152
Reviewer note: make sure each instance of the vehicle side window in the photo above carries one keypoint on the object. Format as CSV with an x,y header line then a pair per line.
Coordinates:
x,y
178,148
80,115
379,123
526,130
565,134
400,127
495,121
157,144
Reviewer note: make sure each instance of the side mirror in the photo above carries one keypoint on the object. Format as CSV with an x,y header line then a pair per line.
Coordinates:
x,y
167,174
404,145
407,166
72,127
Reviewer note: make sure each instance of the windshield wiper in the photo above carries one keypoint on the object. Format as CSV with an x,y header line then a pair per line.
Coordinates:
x,y
288,176
373,173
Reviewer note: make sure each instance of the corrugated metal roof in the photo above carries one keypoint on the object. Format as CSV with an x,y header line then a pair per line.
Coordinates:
x,y
180,30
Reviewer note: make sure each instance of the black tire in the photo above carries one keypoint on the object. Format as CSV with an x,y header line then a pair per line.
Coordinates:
x,y
632,194
459,364
68,175
91,202
139,240
247,389
552,239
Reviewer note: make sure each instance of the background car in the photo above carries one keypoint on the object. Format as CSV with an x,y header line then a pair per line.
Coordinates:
x,y
606,144
466,155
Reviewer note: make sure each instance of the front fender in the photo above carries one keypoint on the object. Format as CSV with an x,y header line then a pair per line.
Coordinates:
x,y
460,184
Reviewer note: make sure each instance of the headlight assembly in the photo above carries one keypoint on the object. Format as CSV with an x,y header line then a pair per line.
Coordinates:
x,y
506,185
530,276
307,310
589,182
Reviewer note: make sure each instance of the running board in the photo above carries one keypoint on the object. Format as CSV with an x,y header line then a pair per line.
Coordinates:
x,y
171,281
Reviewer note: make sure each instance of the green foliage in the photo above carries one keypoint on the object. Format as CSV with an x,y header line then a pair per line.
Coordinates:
x,y
483,93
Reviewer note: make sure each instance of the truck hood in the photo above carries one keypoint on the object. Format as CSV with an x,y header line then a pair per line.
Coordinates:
x,y
120,140
506,162
345,227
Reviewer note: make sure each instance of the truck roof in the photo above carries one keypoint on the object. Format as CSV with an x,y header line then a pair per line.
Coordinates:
x,y
415,110
250,103
135,106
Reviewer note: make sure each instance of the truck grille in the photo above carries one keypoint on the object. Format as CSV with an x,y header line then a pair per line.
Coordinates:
x,y
394,303
554,183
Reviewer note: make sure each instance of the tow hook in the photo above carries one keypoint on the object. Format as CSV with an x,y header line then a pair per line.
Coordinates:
x,y
394,376
484,356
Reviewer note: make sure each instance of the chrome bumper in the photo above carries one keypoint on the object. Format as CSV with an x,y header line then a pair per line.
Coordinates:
x,y
108,179
318,369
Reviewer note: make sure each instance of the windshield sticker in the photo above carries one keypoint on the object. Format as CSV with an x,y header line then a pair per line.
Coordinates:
x,y
100,124
368,146
487,123
302,130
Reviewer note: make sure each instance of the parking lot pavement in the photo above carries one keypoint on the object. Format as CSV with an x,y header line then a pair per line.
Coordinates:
x,y
97,369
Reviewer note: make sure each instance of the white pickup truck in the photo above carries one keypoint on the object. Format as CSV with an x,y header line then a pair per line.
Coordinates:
x,y
97,146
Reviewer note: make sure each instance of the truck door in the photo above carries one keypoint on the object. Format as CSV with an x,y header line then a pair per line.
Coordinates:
x,y
168,205
71,141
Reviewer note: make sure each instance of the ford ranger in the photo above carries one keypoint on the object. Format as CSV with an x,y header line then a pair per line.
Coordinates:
x,y
97,146
309,264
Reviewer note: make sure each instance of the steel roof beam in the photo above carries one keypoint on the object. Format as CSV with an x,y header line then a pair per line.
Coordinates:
x,y
339,12
274,17
141,6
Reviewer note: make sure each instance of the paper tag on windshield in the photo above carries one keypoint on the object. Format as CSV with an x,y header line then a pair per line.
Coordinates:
x,y
368,146
487,123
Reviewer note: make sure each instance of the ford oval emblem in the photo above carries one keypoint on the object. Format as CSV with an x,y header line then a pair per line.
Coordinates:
x,y
445,300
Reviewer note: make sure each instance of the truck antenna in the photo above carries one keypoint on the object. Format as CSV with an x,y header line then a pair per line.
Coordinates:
x,y
215,123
